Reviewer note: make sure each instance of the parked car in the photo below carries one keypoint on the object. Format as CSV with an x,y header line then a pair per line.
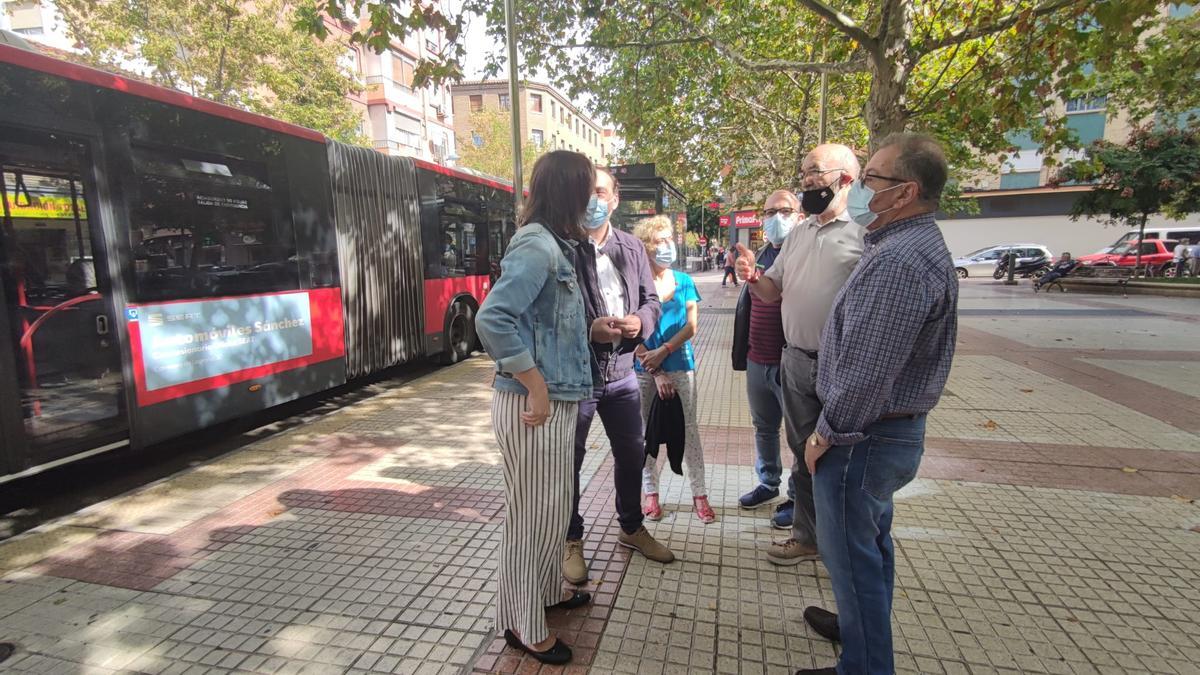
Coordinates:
x,y
1157,254
982,263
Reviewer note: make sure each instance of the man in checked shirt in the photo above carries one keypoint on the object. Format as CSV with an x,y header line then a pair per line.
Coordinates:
x,y
885,356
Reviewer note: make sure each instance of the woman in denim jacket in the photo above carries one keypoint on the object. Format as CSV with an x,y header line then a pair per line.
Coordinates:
x,y
533,325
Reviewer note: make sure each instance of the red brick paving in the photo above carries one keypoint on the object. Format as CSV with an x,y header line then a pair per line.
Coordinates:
x,y
1153,473
1167,405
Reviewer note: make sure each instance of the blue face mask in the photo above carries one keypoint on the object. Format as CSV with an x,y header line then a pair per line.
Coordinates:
x,y
596,215
777,227
664,255
858,203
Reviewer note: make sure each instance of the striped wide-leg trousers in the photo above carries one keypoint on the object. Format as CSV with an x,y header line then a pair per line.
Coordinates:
x,y
539,466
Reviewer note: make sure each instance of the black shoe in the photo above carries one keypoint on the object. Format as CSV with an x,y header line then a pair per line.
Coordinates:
x,y
577,600
782,520
823,622
757,497
557,655
6,650
817,671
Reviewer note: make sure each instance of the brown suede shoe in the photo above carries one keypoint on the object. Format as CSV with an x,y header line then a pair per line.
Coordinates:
x,y
791,552
575,569
643,543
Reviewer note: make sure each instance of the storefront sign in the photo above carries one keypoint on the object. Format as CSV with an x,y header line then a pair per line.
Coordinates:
x,y
723,221
746,219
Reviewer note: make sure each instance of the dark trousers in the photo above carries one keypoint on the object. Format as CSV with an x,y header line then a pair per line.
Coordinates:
x,y
729,274
620,406
1048,278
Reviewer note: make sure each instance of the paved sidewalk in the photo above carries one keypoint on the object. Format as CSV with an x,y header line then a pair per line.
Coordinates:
x,y
1053,529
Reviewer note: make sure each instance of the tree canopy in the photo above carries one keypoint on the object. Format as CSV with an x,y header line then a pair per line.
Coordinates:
x,y
488,146
1156,171
725,92
236,53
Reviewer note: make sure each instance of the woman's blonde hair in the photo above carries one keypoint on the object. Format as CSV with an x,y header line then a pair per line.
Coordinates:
x,y
646,228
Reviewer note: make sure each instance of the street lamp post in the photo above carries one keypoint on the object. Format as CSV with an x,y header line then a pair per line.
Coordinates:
x,y
514,103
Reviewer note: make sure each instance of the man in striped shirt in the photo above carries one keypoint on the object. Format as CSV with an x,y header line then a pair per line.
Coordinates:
x,y
885,357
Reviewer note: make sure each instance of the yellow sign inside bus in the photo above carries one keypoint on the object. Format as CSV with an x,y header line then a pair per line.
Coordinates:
x,y
46,207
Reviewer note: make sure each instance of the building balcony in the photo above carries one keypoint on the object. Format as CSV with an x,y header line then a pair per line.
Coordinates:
x,y
381,89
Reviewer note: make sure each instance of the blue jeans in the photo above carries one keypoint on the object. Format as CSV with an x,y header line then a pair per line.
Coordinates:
x,y
853,488
765,393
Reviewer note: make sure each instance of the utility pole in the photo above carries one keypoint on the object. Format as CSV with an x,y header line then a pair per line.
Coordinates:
x,y
514,102
824,106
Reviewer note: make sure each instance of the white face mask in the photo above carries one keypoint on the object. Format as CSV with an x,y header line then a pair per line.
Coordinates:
x,y
777,227
858,203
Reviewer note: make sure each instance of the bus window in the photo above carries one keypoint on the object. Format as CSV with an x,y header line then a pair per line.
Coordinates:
x,y
204,226
456,242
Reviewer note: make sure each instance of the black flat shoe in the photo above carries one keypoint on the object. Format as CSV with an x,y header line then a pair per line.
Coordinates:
x,y
823,623
557,655
577,600
6,650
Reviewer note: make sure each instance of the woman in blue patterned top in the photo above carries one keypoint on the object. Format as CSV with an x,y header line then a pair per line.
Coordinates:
x,y
667,366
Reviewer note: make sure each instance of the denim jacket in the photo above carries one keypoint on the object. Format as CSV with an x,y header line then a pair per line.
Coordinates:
x,y
534,317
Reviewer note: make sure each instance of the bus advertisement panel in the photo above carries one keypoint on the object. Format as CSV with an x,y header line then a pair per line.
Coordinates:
x,y
188,346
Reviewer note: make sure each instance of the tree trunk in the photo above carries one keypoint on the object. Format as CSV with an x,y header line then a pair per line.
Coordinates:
x,y
891,65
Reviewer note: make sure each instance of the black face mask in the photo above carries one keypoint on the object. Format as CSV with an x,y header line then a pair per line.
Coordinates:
x,y
817,200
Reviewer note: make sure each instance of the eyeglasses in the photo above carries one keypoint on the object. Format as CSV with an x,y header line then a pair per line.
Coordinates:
x,y
865,176
817,173
785,212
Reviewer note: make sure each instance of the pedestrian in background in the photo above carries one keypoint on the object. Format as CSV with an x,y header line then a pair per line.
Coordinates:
x,y
815,261
885,357
623,308
1194,256
534,326
757,349
730,256
1182,253
667,364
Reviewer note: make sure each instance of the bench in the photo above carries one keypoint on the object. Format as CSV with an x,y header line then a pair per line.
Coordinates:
x,y
1120,275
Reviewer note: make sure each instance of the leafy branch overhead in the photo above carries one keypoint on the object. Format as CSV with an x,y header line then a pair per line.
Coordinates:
x,y
726,93
230,52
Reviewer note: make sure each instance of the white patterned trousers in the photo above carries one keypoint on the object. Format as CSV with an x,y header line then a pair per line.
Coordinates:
x,y
693,453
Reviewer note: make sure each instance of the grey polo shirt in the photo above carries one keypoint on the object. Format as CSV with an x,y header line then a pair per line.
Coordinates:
x,y
812,266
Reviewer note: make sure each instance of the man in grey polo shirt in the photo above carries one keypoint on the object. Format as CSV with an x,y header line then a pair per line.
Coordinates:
x,y
816,259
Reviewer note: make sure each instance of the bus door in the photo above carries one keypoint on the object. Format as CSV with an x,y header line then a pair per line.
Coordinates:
x,y
61,386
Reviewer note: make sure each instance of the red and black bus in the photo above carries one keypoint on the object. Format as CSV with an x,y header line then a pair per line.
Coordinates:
x,y
168,263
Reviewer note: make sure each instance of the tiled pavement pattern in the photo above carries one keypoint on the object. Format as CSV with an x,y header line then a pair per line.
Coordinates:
x,y
1051,530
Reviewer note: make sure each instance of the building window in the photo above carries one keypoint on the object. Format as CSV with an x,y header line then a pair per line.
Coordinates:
x,y
505,102
350,61
535,102
538,137
476,139
553,109
402,71
476,102
1086,103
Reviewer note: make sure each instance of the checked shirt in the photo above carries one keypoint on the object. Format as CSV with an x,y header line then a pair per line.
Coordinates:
x,y
887,346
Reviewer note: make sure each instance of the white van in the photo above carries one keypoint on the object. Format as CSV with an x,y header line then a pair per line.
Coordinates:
x,y
1189,232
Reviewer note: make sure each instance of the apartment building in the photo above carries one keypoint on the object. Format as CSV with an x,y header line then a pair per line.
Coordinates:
x,y
548,119
397,118
1089,117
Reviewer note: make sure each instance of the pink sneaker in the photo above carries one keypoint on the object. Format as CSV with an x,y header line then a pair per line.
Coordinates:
x,y
651,509
703,511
